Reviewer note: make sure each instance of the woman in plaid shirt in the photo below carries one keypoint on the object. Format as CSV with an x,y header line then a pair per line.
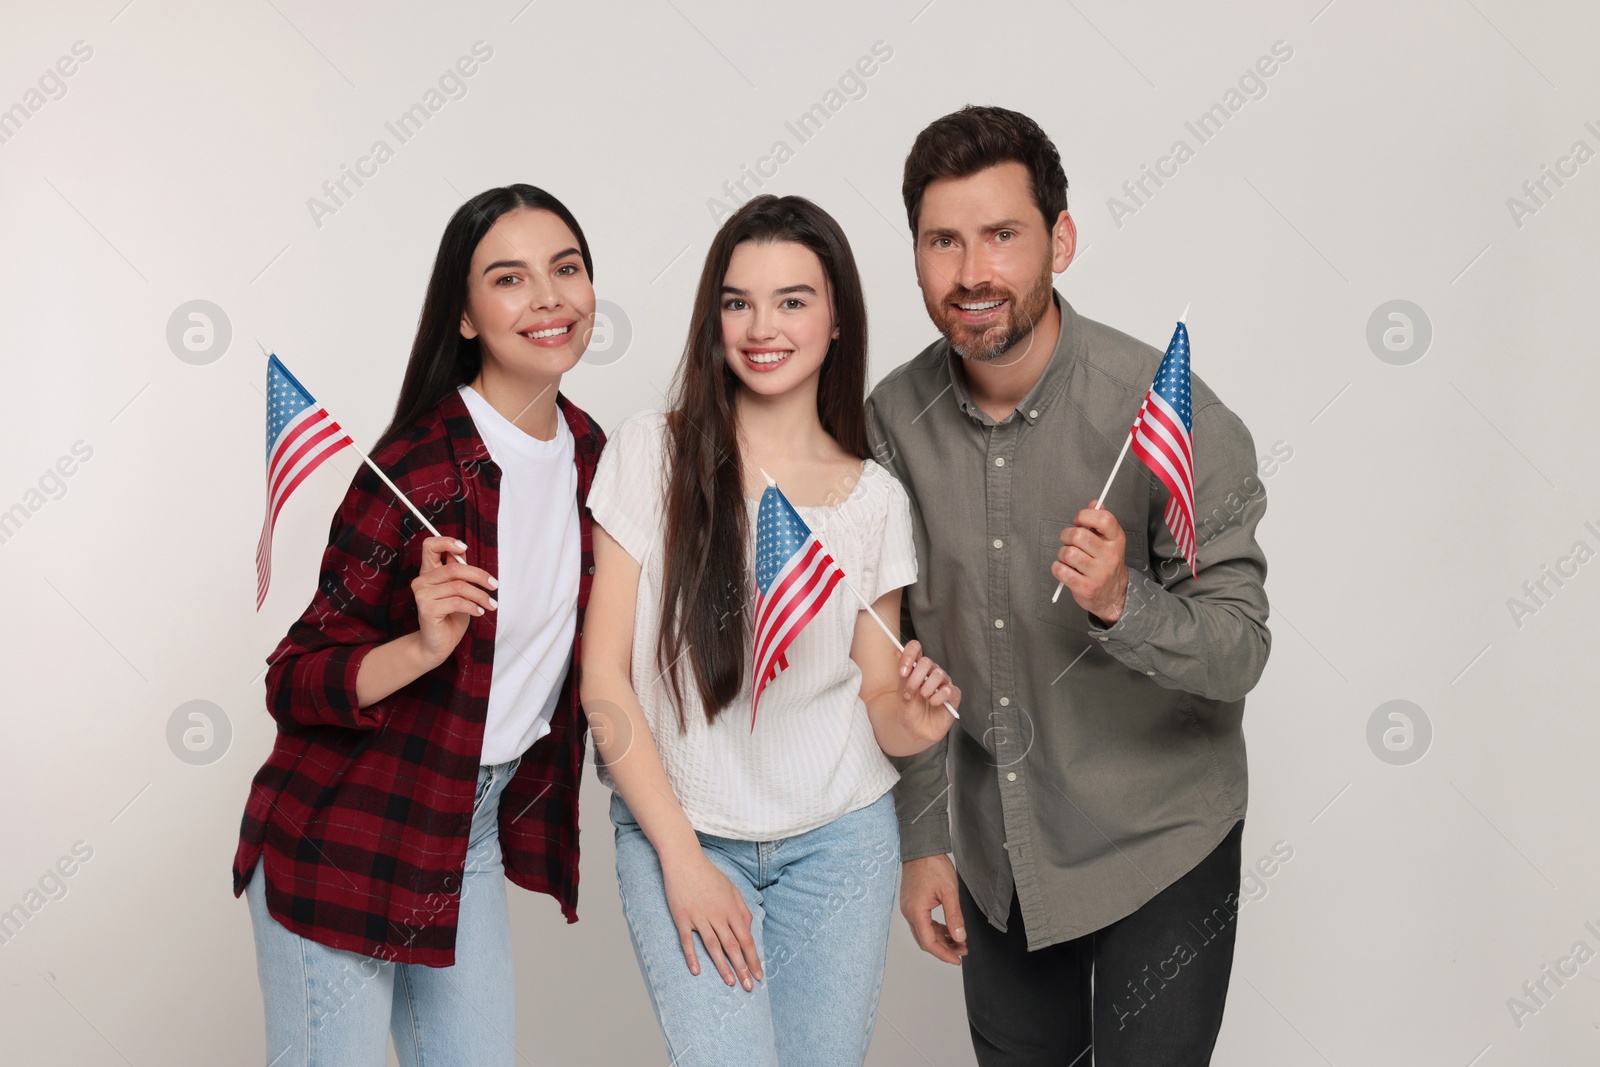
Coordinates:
x,y
429,740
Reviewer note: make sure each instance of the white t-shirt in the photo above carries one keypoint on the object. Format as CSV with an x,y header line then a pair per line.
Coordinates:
x,y
540,550
812,756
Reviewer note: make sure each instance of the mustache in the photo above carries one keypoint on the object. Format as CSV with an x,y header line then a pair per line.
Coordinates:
x,y
973,296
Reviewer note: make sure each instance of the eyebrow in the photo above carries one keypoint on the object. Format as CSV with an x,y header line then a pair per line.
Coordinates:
x,y
785,291
990,227
523,264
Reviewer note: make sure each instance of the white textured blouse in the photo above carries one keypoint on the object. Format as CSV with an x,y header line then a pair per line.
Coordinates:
x,y
811,756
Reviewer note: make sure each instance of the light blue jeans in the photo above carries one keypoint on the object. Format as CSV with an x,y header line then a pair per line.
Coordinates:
x,y
820,904
327,1007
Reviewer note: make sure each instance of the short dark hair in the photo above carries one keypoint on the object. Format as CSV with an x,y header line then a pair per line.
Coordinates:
x,y
975,138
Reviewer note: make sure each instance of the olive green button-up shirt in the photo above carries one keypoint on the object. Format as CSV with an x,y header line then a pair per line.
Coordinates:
x,y
1092,766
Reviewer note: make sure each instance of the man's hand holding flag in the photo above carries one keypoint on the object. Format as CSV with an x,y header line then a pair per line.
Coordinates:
x,y
1092,560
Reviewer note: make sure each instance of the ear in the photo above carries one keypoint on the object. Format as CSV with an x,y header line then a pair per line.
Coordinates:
x,y
468,330
1063,242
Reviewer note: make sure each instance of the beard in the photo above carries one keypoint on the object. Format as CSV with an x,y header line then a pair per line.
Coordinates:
x,y
985,344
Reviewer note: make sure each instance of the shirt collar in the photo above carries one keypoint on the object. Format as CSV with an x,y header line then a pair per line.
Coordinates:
x,y
466,444
1032,406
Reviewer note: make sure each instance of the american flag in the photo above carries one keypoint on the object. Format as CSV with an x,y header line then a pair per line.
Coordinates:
x,y
1161,438
794,576
300,436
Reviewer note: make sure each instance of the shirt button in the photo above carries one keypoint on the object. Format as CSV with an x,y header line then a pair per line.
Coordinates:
x,y
591,570
1011,776
999,543
1099,637
1150,672
1000,461
999,624
1034,414
1005,702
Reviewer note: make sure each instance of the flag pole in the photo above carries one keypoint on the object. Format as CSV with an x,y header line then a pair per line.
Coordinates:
x,y
385,478
870,609
1118,466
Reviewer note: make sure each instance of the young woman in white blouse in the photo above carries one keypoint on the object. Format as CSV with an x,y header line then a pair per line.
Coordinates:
x,y
769,849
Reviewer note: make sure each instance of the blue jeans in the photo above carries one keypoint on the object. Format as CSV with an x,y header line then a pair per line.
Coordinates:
x,y
328,1007
820,904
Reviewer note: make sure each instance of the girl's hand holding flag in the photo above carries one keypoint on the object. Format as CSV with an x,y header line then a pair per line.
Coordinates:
x,y
795,574
925,689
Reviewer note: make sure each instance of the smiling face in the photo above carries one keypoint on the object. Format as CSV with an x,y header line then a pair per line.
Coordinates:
x,y
985,259
777,315
530,302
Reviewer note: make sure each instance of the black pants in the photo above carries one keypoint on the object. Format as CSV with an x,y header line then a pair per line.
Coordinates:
x,y
1147,991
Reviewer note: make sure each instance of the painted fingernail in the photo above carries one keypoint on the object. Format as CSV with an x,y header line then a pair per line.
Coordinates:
x,y
493,603
479,609
461,545
494,583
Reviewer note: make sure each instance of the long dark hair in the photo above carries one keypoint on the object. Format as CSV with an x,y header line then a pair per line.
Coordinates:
x,y
704,610
441,358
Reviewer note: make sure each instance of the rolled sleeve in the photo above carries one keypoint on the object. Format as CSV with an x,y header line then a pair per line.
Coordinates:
x,y
319,688
922,802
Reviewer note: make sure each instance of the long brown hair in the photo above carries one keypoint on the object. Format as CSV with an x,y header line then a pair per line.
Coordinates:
x,y
704,606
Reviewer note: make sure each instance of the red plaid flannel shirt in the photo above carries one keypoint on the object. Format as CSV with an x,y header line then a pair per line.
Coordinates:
x,y
363,813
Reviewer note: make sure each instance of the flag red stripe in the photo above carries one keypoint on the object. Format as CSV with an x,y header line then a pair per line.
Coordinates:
x,y
304,473
797,586
1161,426
790,593
771,621
775,642
1167,419
1158,455
296,428
264,545
283,466
795,621
784,583
295,444
804,586
1165,446
1160,464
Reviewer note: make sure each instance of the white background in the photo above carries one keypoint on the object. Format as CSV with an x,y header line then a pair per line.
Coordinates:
x,y
178,165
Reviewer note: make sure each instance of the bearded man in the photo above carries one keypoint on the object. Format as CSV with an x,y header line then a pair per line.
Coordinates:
x,y
1093,793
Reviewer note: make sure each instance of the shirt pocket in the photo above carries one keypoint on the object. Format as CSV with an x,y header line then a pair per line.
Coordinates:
x,y
1064,611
